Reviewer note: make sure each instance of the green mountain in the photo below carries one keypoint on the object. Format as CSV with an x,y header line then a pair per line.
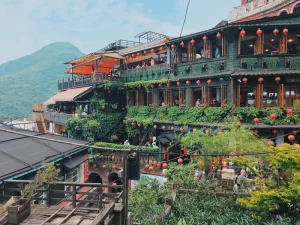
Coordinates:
x,y
33,78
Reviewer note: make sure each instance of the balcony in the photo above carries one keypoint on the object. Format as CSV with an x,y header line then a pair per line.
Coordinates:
x,y
97,78
155,72
253,8
57,118
38,108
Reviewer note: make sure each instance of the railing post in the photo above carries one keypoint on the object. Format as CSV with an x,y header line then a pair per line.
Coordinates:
x,y
100,198
74,196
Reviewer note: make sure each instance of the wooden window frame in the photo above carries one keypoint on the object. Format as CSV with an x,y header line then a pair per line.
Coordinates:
x,y
182,97
168,97
150,98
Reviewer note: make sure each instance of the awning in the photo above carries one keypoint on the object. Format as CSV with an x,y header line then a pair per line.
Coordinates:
x,y
166,138
73,162
68,95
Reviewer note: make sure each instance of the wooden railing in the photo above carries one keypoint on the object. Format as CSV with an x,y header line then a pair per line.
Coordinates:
x,y
59,118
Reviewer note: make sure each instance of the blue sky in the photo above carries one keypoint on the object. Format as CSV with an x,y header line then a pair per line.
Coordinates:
x,y
90,25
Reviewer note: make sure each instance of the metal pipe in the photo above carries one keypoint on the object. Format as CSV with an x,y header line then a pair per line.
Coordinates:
x,y
232,99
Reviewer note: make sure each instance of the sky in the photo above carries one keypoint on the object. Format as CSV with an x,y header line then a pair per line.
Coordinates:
x,y
27,26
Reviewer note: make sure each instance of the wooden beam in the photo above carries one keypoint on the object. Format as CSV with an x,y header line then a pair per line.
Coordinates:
x,y
52,216
67,217
99,220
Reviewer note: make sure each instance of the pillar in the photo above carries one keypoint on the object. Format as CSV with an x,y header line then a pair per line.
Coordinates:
x,y
156,100
189,97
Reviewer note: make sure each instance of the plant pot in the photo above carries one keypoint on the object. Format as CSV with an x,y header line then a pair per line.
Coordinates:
x,y
18,211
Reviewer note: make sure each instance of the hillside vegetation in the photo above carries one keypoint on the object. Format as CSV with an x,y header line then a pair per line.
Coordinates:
x,y
33,78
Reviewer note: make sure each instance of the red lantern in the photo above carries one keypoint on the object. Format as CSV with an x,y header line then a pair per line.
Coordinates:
x,y
161,48
160,85
127,56
173,46
178,83
294,132
289,111
182,44
150,138
198,82
114,184
256,120
195,155
155,127
169,84
219,35
260,80
145,52
188,82
277,79
139,125
114,166
242,33
152,86
165,165
103,189
275,31
163,128
95,165
151,168
181,129
104,166
256,132
291,138
238,123
109,92
209,81
172,128
275,131
259,32
158,165
285,31
132,124
147,166
133,55
245,80
138,54
193,42
204,38
273,116
180,160
152,50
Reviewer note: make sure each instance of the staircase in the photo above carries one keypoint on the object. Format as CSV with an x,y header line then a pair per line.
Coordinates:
x,y
38,118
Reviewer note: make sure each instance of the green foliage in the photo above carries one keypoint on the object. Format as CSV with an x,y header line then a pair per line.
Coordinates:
x,y
295,63
45,176
271,62
142,114
113,85
142,83
120,146
33,78
109,123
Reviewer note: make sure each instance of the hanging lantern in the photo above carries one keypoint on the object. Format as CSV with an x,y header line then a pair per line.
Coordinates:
x,y
109,92
150,138
274,131
165,165
145,52
139,125
205,38
160,85
275,31
195,130
95,165
219,35
172,128
188,82
259,32
242,33
158,165
289,111
193,42
220,132
138,54
173,46
178,83
285,31
255,120
195,155
239,123
277,79
152,50
114,166
198,82
147,166
180,160
245,80
256,131
294,132
291,138
207,132
114,184
181,129
133,55
260,80
169,84
104,166
127,56
163,128
103,189
209,81
273,116
182,44
161,48
151,168
155,127
132,124
152,85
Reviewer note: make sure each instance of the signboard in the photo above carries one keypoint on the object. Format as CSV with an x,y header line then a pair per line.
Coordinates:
x,y
86,168
160,179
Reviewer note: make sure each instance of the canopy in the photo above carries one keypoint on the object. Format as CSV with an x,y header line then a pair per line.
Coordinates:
x,y
104,61
68,95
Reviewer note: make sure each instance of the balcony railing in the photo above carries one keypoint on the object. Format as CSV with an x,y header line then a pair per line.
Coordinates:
x,y
97,78
58,118
38,108
252,8
156,72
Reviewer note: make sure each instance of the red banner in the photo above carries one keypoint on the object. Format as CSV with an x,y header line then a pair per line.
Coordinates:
x,y
86,169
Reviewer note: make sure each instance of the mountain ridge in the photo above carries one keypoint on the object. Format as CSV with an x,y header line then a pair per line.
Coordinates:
x,y
33,78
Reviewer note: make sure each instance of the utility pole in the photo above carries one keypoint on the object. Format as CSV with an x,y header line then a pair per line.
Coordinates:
x,y
125,188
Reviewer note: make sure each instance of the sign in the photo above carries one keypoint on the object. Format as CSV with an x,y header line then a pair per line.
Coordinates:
x,y
160,179
86,168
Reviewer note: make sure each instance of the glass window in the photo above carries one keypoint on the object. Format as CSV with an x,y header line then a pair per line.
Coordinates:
x,y
271,44
293,42
247,44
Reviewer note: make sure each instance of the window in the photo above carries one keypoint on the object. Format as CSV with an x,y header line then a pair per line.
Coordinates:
x,y
150,98
247,44
168,99
131,98
179,96
71,176
296,8
292,96
271,44
139,98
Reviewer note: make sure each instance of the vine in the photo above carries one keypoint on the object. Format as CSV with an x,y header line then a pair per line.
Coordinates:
x,y
294,63
143,83
271,63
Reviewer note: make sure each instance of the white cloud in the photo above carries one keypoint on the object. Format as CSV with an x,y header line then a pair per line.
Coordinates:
x,y
29,25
